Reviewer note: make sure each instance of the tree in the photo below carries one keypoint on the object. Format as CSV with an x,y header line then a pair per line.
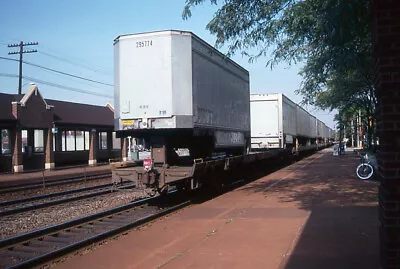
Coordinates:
x,y
331,37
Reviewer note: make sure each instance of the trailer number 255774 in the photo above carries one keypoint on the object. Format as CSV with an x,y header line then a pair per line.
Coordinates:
x,y
146,43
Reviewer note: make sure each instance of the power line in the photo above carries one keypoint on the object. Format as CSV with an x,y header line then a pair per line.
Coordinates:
x,y
67,74
59,72
8,75
57,85
74,63
21,51
69,58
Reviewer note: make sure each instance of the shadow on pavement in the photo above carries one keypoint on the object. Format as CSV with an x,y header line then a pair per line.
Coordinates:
x,y
342,228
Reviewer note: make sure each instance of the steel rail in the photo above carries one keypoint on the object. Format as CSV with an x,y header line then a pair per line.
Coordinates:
x,y
52,182
30,249
104,189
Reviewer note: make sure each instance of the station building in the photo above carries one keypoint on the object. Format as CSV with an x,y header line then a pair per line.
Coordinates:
x,y
38,133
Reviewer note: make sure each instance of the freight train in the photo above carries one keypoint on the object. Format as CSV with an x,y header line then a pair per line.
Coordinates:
x,y
287,125
177,92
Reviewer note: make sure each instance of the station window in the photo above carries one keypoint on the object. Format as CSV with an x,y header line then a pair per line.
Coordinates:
x,y
5,142
70,140
24,139
102,140
54,142
38,141
80,140
74,140
62,137
87,140
116,141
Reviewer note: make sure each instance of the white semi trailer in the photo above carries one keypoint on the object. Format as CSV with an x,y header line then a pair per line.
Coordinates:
x,y
278,122
273,121
177,91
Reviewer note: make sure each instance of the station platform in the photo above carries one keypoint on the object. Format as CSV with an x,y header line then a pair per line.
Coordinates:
x,y
10,179
313,214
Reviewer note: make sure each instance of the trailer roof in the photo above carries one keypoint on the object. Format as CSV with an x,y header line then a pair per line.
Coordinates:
x,y
283,96
183,32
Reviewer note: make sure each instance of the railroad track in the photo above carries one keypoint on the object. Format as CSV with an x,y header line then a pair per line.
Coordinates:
x,y
25,204
33,248
52,182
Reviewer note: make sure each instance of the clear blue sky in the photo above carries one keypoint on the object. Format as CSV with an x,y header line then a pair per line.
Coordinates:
x,y
77,37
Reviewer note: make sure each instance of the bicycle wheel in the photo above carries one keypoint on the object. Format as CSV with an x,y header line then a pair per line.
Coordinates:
x,y
365,171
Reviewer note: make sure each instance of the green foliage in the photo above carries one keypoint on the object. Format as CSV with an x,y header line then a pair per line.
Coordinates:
x,y
331,37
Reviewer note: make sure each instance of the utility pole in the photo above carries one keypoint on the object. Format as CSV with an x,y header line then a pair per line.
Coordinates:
x,y
359,127
352,131
21,52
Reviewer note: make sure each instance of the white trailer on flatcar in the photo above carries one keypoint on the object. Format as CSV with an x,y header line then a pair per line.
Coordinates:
x,y
273,121
174,84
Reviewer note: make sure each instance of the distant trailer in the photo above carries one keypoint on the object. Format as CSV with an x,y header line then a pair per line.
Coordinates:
x,y
273,121
306,125
320,129
177,91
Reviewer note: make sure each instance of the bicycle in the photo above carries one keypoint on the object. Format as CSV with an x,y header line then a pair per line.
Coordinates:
x,y
365,170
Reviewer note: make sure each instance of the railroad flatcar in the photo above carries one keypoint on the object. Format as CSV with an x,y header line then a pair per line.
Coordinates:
x,y
176,91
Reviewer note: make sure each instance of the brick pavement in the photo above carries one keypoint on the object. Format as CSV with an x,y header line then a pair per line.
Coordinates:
x,y
312,214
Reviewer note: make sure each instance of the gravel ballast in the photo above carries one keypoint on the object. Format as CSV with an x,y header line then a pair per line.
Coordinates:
x,y
52,189
40,218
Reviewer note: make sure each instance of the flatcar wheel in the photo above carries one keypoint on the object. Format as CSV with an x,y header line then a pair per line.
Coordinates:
x,y
152,192
163,190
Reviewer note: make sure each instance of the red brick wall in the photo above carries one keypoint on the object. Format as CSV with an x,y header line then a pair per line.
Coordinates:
x,y
15,110
34,114
17,146
124,147
94,145
386,48
49,146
